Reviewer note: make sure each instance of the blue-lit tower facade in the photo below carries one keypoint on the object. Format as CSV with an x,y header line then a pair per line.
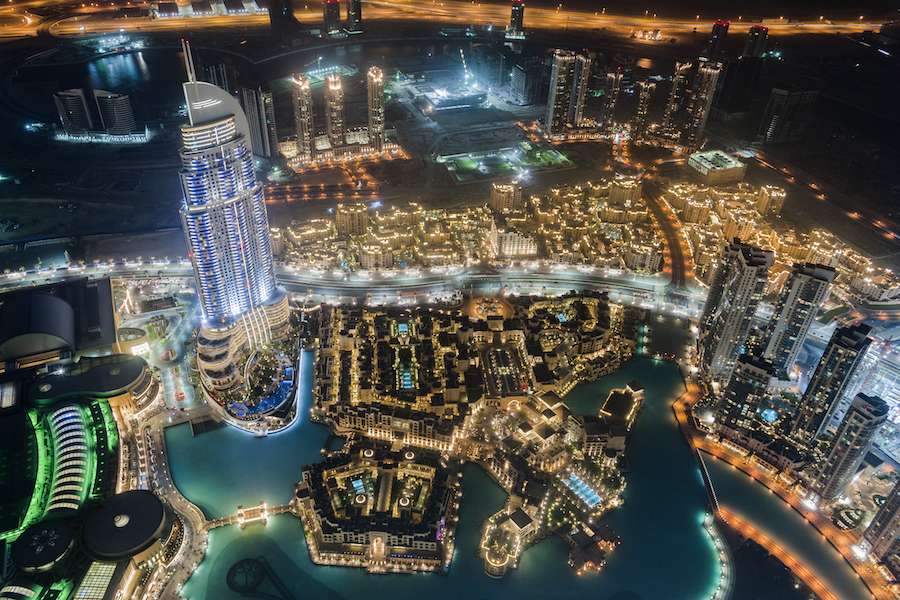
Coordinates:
x,y
224,212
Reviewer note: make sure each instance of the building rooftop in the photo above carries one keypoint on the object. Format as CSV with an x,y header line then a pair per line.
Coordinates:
x,y
124,525
715,160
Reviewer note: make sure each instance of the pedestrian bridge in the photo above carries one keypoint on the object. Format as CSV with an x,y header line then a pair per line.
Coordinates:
x,y
249,515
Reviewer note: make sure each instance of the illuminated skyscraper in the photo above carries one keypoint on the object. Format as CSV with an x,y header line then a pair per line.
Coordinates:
x,y
116,115
562,79
354,15
224,213
331,16
375,90
259,108
516,27
334,110
755,46
580,85
803,294
850,445
676,96
702,96
642,114
736,290
303,117
74,114
843,355
883,533
613,86
747,386
717,39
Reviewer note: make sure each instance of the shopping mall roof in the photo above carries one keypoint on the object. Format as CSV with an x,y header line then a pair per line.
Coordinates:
x,y
43,545
124,525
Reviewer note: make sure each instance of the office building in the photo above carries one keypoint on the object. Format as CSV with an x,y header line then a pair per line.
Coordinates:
x,y
582,82
224,213
757,38
717,38
883,532
642,114
74,113
562,79
842,357
375,93
351,219
749,382
516,29
506,196
260,111
702,95
787,116
116,115
804,292
736,290
613,86
303,117
354,15
676,96
334,110
526,80
281,19
331,17
850,444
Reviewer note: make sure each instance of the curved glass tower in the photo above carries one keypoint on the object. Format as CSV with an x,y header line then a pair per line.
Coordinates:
x,y
224,212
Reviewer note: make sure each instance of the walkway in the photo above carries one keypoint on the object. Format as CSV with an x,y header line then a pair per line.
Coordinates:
x,y
249,515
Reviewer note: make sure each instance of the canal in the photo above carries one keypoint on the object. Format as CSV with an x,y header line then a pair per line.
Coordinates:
x,y
665,552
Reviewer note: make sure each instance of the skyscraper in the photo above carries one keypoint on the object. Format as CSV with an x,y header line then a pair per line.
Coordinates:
x,y
516,27
582,82
354,15
757,37
331,17
843,355
375,91
748,384
562,79
735,293
717,39
883,532
303,117
788,116
334,110
224,213
281,19
74,113
803,294
116,115
850,445
702,95
613,86
676,96
641,115
260,111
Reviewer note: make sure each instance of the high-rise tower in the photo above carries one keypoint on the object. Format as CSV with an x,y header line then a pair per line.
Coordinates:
x,y
354,15
676,96
749,381
74,114
580,85
375,92
883,532
850,445
259,109
843,355
757,37
613,86
303,117
116,115
642,114
334,110
702,95
717,38
803,294
516,29
224,213
562,79
735,293
331,17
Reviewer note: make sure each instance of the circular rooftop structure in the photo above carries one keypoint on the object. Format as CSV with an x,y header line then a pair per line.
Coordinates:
x,y
43,545
125,525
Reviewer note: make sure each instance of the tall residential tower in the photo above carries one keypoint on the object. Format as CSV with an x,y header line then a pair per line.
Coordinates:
x,y
334,110
702,95
375,92
303,117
